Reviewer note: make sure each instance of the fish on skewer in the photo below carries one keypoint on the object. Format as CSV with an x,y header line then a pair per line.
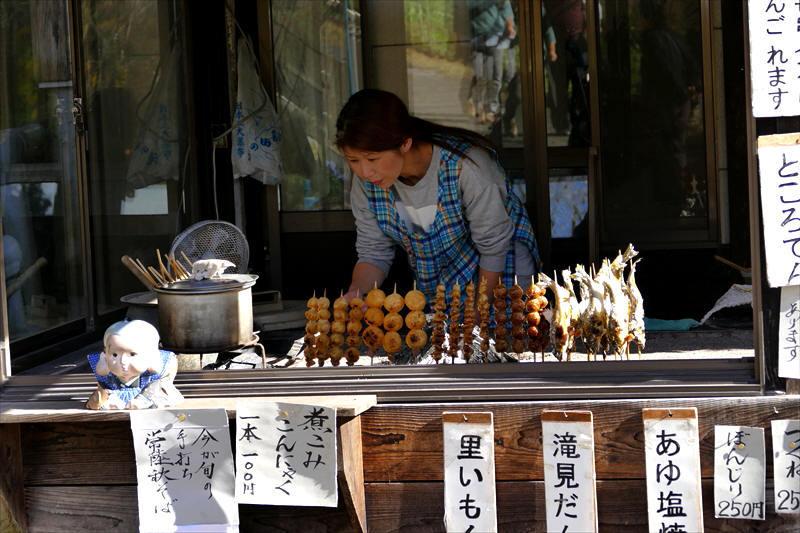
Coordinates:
x,y
594,318
636,325
618,317
559,329
574,312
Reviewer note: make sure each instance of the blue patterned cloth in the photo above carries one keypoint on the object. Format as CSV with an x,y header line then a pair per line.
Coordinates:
x,y
446,253
119,389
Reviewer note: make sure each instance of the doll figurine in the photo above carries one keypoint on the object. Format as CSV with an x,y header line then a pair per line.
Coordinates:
x,y
131,372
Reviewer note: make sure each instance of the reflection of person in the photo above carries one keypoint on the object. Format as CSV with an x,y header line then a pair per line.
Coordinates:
x,y
511,73
132,373
569,111
493,28
669,86
436,191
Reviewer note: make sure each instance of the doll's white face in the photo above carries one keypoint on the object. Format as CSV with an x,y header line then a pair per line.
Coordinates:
x,y
126,358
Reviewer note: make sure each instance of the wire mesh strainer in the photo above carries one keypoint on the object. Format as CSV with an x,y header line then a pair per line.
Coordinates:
x,y
213,239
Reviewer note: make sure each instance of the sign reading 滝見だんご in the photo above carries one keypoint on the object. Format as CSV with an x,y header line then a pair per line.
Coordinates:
x,y
779,174
569,475
774,57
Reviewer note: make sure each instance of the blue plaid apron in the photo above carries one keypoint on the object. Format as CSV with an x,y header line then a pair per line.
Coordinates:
x,y
446,253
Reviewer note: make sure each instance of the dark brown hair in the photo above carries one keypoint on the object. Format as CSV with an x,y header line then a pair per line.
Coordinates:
x,y
375,120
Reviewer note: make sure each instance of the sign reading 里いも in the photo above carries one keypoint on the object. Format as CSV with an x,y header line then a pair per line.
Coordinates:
x,y
786,465
672,462
286,454
184,469
569,475
775,57
739,472
779,173
469,493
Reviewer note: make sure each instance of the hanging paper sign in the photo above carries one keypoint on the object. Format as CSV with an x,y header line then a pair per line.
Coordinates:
x,y
739,472
786,465
469,494
286,454
569,475
779,173
789,333
184,469
672,460
774,59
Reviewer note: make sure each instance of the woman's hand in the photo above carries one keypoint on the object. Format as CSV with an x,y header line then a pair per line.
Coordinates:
x,y
365,277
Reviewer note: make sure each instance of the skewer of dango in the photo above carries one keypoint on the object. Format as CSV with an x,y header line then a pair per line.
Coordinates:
x,y
455,321
437,337
416,338
500,317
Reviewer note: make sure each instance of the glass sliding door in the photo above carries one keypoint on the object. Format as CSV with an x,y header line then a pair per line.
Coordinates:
x,y
135,100
39,193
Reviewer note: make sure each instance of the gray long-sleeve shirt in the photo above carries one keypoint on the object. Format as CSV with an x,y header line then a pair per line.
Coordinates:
x,y
482,191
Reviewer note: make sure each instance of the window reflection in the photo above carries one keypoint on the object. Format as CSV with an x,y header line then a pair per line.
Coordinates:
x,y
317,67
38,190
137,135
651,114
569,203
566,68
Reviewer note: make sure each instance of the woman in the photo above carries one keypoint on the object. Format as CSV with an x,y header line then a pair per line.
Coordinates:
x,y
437,192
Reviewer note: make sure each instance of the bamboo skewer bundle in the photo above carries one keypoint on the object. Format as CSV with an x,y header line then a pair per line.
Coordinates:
x,y
437,337
469,319
500,318
455,321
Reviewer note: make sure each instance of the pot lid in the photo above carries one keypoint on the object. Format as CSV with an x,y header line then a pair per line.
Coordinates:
x,y
224,283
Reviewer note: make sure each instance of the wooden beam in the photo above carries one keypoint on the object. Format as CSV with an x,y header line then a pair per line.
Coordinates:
x,y
351,472
12,497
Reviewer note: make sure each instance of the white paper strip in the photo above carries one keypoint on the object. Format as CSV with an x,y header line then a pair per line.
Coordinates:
x,y
672,462
286,454
739,472
786,465
774,68
469,493
779,173
789,333
569,474
184,469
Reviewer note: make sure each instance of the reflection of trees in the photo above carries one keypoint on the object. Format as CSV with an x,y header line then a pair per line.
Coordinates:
x,y
430,26
18,82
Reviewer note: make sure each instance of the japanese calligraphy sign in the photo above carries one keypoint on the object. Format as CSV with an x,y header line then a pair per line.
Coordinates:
x,y
286,454
469,495
569,475
739,472
184,469
789,333
672,462
786,465
775,57
779,172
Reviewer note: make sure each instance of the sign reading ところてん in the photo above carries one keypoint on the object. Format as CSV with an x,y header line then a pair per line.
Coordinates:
x,y
779,174
775,57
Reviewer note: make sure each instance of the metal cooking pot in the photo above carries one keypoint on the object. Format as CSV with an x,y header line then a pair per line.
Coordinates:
x,y
204,316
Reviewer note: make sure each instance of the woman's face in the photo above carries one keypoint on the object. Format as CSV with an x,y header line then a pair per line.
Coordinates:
x,y
379,168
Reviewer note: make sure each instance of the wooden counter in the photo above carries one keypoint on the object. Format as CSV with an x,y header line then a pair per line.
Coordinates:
x,y
78,473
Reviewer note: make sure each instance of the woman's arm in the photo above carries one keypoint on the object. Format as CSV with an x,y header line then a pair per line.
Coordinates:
x,y
365,277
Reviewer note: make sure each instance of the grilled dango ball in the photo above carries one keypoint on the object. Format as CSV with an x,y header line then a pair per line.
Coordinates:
x,y
416,339
394,302
392,322
415,320
415,300
375,297
392,342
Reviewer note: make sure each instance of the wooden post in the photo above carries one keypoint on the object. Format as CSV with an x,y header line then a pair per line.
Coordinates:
x,y
12,497
351,472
